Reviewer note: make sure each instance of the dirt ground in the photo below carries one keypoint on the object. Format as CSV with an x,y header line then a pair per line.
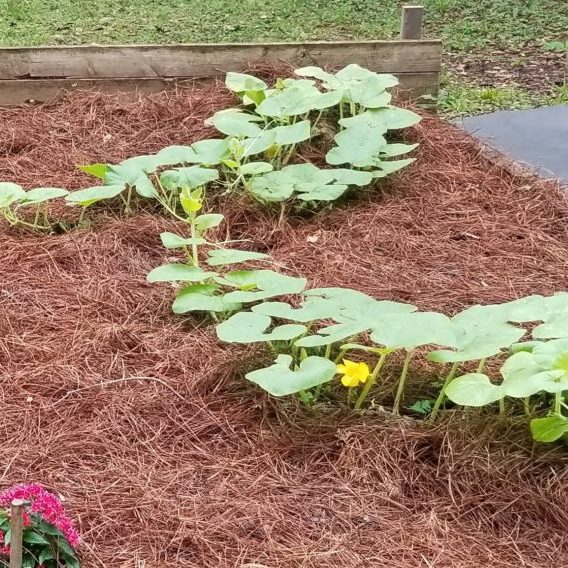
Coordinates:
x,y
143,421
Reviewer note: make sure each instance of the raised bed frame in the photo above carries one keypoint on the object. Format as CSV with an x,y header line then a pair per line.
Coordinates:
x,y
39,74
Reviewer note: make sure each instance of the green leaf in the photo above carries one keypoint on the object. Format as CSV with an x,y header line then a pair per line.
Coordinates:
x,y
33,537
422,406
178,273
234,122
280,380
410,330
520,375
370,92
390,167
293,133
202,298
260,143
393,150
173,241
305,314
549,429
208,221
220,257
256,168
249,327
241,82
95,170
206,152
45,554
134,172
42,194
289,102
190,177
28,561
90,195
269,284
394,118
351,177
10,193
474,389
307,180
359,146
554,328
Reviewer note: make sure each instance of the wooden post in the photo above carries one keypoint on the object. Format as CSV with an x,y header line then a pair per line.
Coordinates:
x,y
17,530
411,22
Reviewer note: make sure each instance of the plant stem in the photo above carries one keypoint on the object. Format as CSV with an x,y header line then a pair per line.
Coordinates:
x,y
328,351
526,402
37,214
193,236
370,381
401,382
340,355
481,366
558,403
442,394
82,215
501,406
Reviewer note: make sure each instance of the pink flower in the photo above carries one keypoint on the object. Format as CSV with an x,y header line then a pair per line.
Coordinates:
x,y
46,505
5,550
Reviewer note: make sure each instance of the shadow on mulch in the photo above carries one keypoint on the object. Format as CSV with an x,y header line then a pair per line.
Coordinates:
x,y
182,463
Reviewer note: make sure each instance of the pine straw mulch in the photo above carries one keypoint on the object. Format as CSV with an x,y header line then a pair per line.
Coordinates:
x,y
174,460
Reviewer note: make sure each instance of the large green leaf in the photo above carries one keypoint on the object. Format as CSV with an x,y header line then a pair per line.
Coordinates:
x,y
280,380
474,389
202,298
478,337
208,221
393,150
190,177
359,146
552,354
10,193
206,152
389,167
241,82
395,118
234,122
370,92
134,172
219,257
249,327
549,429
410,330
173,241
256,168
178,273
307,313
554,328
520,375
43,194
269,284
293,133
307,180
331,334
90,195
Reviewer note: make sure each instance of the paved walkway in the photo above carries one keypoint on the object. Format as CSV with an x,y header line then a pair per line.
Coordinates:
x,y
537,137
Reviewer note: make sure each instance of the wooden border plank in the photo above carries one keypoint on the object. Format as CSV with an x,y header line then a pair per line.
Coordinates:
x,y
207,60
21,91
411,22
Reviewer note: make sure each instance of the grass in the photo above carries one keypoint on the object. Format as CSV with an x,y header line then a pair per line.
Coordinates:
x,y
463,24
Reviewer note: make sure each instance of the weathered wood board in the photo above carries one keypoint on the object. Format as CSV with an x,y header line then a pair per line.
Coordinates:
x,y
39,74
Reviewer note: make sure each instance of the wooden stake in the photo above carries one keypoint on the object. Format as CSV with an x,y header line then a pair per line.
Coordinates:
x,y
411,22
17,530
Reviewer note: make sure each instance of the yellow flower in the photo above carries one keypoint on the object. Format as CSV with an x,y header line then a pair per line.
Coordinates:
x,y
191,201
353,373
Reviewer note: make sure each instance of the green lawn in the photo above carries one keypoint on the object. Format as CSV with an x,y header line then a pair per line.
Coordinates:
x,y
463,24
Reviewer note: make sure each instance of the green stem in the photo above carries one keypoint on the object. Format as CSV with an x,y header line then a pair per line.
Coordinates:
x,y
502,406
526,402
327,354
340,356
193,236
14,220
82,215
401,382
558,403
481,366
128,199
442,394
37,214
370,381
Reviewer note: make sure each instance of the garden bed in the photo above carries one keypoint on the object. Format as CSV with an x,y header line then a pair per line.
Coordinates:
x,y
176,460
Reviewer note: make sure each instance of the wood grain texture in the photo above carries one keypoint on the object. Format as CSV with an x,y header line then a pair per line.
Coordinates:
x,y
411,22
207,60
21,91
39,74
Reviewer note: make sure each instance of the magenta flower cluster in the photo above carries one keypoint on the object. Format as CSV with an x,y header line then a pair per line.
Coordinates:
x,y
46,505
